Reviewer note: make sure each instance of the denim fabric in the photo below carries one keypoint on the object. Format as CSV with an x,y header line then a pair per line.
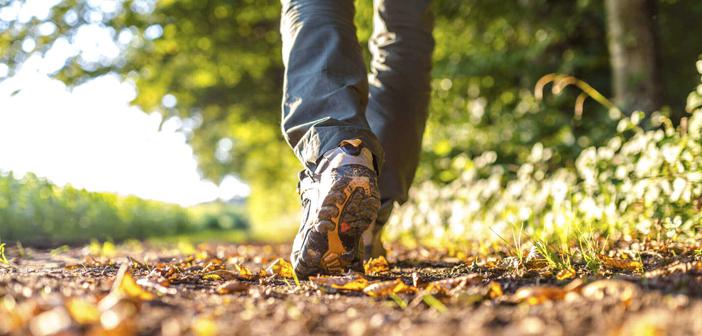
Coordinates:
x,y
328,96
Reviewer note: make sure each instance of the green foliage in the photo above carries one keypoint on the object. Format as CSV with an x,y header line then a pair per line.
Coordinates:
x,y
35,211
216,66
645,182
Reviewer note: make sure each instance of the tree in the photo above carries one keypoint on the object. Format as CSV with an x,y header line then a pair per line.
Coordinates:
x,y
634,52
215,64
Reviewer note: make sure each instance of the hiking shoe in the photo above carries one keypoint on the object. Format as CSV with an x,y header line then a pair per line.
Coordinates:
x,y
340,200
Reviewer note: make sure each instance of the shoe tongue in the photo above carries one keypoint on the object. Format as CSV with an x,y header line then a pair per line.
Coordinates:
x,y
351,149
345,154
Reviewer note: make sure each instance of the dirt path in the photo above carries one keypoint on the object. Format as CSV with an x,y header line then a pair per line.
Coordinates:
x,y
225,289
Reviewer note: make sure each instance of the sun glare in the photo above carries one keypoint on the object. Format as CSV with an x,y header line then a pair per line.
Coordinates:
x,y
92,138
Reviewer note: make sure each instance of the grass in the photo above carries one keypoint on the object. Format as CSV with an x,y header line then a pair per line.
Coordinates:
x,y
219,236
3,259
644,184
433,302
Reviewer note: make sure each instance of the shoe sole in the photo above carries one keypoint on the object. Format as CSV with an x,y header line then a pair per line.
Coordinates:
x,y
347,211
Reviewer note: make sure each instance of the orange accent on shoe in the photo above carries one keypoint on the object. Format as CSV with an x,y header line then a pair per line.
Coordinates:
x,y
345,227
331,260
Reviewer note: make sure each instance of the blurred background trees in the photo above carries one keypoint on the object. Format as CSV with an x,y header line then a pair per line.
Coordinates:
x,y
215,67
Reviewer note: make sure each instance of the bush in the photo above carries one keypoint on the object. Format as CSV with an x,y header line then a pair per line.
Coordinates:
x,y
34,211
645,182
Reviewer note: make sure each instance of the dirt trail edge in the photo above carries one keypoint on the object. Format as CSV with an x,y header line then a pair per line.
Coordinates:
x,y
221,289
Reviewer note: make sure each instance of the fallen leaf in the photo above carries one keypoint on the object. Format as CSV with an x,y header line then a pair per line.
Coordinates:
x,y
155,285
83,311
349,282
622,290
621,264
116,311
15,316
376,266
244,272
536,264
136,264
494,290
125,283
574,286
220,275
385,288
281,268
538,294
232,286
445,286
50,322
204,326
121,304
565,274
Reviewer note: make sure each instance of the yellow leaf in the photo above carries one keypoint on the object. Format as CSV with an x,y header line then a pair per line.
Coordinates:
x,y
125,283
351,283
566,273
621,264
385,288
82,311
212,277
538,295
280,267
494,290
376,266
244,272
204,326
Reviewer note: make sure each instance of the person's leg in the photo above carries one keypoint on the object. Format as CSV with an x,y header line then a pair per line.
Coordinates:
x,y
324,106
401,46
325,91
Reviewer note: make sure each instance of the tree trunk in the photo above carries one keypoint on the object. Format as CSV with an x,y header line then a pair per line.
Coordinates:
x,y
634,57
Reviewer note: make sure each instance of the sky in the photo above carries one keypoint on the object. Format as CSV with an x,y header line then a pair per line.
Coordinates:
x,y
90,136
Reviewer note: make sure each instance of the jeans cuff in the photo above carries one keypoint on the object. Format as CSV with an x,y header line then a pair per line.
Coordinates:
x,y
319,140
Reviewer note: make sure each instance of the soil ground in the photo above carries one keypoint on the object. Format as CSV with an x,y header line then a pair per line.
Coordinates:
x,y
231,289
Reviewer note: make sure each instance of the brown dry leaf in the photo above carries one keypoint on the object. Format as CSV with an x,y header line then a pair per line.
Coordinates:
x,y
385,288
280,267
232,286
220,275
83,311
538,295
376,266
494,290
621,264
536,264
623,290
445,286
349,282
155,285
574,286
565,274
